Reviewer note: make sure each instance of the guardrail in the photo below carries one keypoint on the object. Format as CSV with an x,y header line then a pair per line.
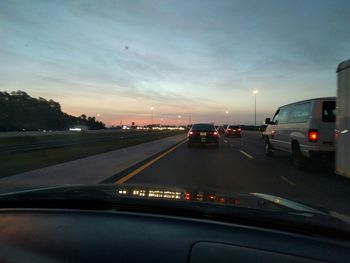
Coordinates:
x,y
48,133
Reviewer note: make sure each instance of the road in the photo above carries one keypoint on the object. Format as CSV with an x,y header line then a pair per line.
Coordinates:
x,y
240,165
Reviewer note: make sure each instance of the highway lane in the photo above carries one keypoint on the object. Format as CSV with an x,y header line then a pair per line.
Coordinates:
x,y
240,165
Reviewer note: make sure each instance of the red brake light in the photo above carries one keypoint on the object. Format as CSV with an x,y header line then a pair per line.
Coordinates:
x,y
187,196
222,200
191,133
216,133
239,129
313,135
235,201
336,135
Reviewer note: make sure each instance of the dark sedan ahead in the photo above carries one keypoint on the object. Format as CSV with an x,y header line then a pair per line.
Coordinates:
x,y
203,134
233,130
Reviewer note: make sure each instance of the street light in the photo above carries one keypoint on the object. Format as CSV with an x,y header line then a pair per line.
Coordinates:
x,y
179,116
152,109
226,117
255,92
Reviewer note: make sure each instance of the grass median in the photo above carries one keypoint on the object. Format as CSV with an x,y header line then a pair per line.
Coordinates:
x,y
18,162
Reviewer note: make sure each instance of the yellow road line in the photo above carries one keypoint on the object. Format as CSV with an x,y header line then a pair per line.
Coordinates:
x,y
287,180
143,167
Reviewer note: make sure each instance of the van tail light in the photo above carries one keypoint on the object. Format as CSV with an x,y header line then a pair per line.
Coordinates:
x,y
336,135
313,135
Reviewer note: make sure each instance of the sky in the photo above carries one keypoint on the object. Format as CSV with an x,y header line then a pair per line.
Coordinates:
x,y
189,60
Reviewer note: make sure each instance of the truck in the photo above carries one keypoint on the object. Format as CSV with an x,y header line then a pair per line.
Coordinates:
x,y
342,132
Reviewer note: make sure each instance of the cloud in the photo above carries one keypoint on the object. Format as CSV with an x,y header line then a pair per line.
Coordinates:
x,y
190,56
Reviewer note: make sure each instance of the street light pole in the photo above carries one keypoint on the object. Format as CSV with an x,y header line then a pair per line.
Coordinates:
x,y
255,111
152,109
226,117
255,92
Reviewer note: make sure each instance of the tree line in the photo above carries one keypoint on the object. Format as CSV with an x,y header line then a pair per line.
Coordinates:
x,y
19,111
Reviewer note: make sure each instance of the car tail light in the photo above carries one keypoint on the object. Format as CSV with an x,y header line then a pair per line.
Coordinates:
x,y
213,133
239,129
187,196
313,135
191,133
235,201
222,200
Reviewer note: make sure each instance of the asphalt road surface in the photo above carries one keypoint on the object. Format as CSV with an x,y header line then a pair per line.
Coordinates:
x,y
240,165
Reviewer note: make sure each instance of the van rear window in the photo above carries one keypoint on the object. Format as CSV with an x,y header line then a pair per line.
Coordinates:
x,y
328,111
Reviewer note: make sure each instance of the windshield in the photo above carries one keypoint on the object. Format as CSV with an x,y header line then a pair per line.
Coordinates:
x,y
130,92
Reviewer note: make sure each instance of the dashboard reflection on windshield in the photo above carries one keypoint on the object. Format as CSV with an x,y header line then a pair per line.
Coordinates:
x,y
177,195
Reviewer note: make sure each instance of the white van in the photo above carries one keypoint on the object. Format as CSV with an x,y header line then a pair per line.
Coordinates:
x,y
305,129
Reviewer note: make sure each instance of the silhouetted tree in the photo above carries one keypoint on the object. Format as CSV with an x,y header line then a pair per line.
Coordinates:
x,y
19,111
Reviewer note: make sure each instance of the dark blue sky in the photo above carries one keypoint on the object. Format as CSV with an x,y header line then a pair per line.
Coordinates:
x,y
182,57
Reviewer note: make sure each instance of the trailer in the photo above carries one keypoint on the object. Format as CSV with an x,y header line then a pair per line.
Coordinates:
x,y
342,134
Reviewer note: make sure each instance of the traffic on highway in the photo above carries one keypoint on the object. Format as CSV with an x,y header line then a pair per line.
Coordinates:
x,y
175,131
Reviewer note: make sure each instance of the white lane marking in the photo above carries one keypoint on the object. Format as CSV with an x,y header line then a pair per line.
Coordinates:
x,y
287,180
246,154
225,141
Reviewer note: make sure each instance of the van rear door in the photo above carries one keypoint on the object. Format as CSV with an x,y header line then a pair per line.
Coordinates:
x,y
327,126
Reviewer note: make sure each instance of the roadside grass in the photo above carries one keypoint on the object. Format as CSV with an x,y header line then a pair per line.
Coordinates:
x,y
66,137
25,161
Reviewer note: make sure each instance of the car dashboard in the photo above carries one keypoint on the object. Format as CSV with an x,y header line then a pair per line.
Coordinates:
x,y
61,235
